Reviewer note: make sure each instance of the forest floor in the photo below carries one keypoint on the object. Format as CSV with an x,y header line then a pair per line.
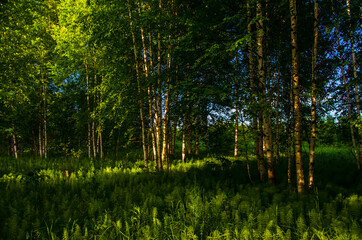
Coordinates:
x,y
210,198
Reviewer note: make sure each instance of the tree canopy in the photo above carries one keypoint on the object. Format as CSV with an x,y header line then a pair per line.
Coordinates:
x,y
90,77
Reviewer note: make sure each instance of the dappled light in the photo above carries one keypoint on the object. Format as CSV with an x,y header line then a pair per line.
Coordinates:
x,y
181,119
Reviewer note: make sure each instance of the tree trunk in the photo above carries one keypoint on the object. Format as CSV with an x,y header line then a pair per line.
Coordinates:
x,y
88,109
94,139
246,151
236,131
289,153
45,145
296,104
159,96
268,103
197,129
253,88
349,104
184,140
166,125
277,138
174,137
140,101
40,141
356,86
313,135
101,144
13,143
145,67
263,135
153,116
189,137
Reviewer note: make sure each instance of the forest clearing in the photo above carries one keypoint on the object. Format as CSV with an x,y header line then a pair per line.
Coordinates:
x,y
180,119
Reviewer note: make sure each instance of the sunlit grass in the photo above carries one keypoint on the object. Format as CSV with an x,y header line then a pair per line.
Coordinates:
x,y
209,198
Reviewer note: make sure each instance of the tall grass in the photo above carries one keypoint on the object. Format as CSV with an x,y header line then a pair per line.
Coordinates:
x,y
203,199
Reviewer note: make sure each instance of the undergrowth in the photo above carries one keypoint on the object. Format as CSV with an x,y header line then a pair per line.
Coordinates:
x,y
203,199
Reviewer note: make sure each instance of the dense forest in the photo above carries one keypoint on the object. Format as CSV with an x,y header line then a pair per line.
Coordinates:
x,y
255,98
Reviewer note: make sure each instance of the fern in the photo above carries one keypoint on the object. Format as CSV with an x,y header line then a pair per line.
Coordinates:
x,y
315,219
268,235
288,235
280,234
290,218
252,220
188,233
354,206
301,226
216,235
245,233
263,220
286,216
155,221
356,230
65,234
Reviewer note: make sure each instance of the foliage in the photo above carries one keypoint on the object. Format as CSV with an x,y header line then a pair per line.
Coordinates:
x,y
204,199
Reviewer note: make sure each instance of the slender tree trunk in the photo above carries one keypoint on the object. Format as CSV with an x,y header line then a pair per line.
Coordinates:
x,y
277,127
207,135
184,140
153,116
189,137
152,127
277,144
197,129
13,143
297,108
101,144
159,96
158,131
349,104
94,139
14,149
263,135
262,169
88,108
174,137
268,102
40,141
313,135
269,147
291,145
140,101
145,65
236,130
89,141
97,142
101,125
95,105
259,157
45,145
289,153
42,113
166,125
246,151
41,118
356,86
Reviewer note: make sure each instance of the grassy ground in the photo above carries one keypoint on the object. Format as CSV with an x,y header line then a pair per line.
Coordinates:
x,y
202,199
